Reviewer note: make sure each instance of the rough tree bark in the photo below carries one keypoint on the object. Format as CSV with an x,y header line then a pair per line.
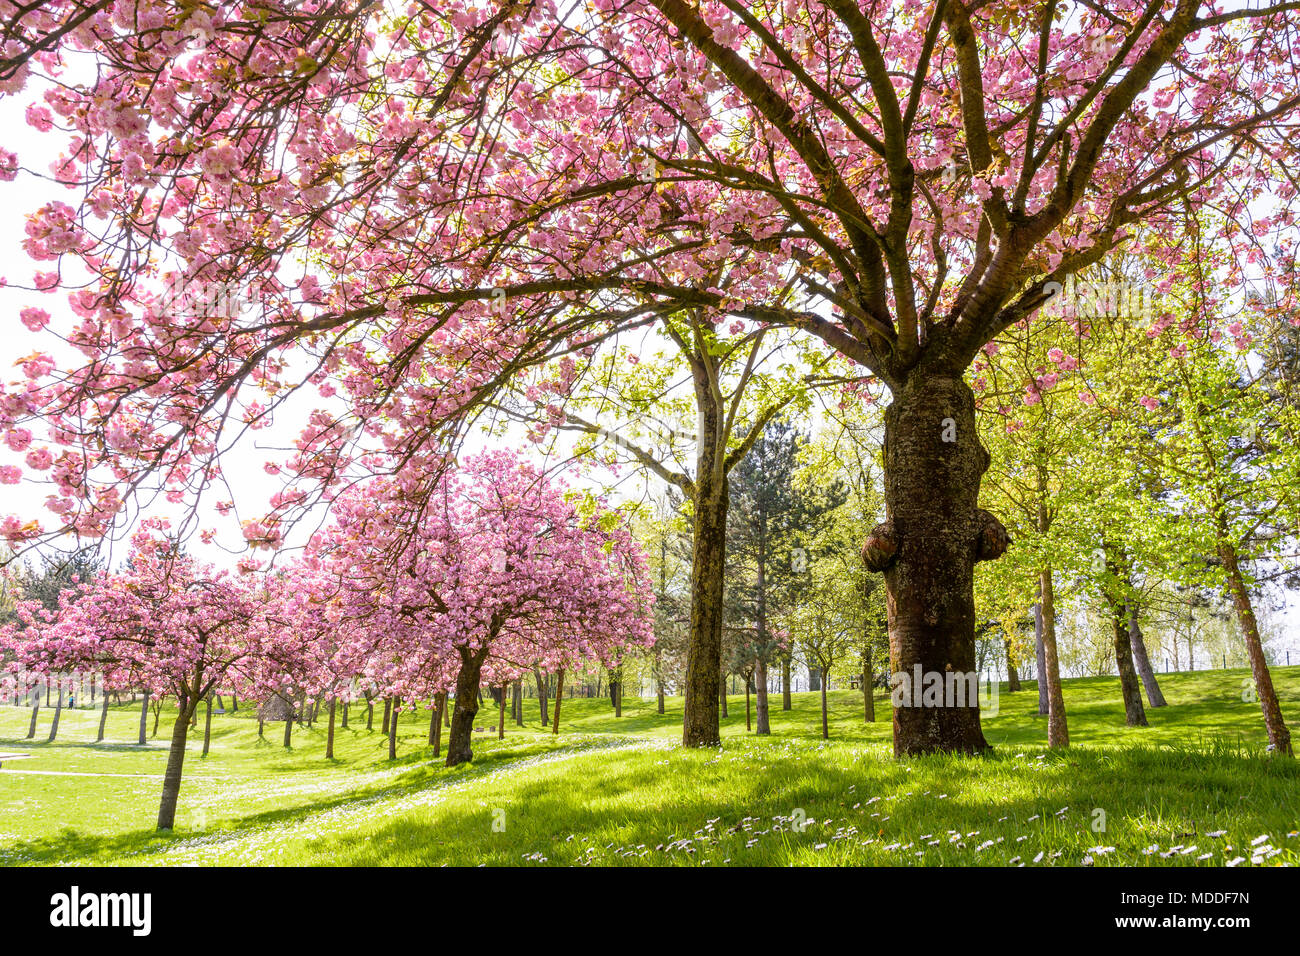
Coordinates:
x,y
868,679
927,547
435,725
1134,714
207,726
542,693
1279,737
1149,683
103,718
559,695
704,647
392,730
58,711
1013,675
1040,662
460,740
176,760
36,712
785,683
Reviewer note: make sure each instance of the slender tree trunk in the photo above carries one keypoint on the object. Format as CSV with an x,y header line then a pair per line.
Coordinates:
x,y
747,727
1149,683
927,548
868,680
36,712
763,727
1058,733
288,725
234,702
1134,714
460,741
659,696
103,718
370,714
435,724
175,763
542,693
1040,660
501,713
392,729
826,733
785,684
58,711
1279,737
704,649
207,726
814,678
261,724
329,733
1013,675
559,694
388,711
517,701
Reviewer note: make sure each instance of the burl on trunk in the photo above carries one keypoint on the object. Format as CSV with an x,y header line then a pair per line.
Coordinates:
x,y
927,547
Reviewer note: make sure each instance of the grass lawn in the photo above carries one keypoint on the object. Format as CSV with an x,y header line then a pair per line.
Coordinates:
x,y
1194,787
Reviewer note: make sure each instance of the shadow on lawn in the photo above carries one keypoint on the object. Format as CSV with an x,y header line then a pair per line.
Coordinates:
x,y
623,804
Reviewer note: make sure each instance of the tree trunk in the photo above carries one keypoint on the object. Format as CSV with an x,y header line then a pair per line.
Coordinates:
x,y
435,725
814,678
370,714
392,729
288,725
659,696
329,733
1058,733
1040,661
1134,714
542,693
501,713
36,712
785,684
103,718
760,665
460,741
58,711
747,727
388,711
868,682
826,733
1279,738
761,704
1149,683
207,726
704,649
517,701
1013,675
927,548
559,695
175,762
234,702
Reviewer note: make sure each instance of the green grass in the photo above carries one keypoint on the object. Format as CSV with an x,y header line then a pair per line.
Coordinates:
x,y
619,791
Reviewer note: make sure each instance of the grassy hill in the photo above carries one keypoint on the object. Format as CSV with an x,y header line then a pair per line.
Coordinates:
x,y
1194,787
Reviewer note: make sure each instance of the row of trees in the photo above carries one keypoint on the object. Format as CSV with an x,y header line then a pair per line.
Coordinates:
x,y
430,204
500,572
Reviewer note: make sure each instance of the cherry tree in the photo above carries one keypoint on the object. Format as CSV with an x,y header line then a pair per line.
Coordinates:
x,y
168,622
495,570
423,201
